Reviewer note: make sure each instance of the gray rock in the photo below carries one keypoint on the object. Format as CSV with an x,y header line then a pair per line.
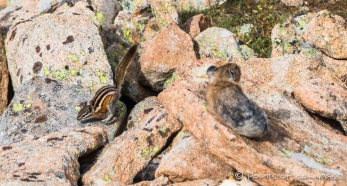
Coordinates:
x,y
130,152
42,106
49,160
218,43
188,160
65,46
106,10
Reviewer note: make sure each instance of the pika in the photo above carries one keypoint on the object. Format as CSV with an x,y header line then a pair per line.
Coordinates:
x,y
227,101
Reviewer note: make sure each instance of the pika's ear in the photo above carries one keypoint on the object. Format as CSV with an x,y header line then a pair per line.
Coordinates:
x,y
231,74
210,71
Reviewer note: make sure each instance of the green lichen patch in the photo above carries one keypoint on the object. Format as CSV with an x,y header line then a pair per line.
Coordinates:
x,y
149,152
204,107
103,79
172,79
74,72
46,71
78,108
183,134
73,57
83,53
100,17
28,105
163,129
325,161
60,74
107,178
17,107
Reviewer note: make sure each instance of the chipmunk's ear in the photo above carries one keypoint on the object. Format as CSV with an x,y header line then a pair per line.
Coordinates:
x,y
231,74
210,71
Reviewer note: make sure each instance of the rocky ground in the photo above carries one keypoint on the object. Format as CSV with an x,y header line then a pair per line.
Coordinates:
x,y
59,53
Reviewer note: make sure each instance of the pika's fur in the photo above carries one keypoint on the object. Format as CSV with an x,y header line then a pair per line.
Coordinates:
x,y
227,101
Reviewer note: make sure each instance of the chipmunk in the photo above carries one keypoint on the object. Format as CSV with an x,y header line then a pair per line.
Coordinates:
x,y
103,105
227,101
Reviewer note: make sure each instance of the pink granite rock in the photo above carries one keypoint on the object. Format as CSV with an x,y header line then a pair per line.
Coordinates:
x,y
163,54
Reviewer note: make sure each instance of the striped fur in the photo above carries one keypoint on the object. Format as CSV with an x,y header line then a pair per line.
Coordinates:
x,y
102,106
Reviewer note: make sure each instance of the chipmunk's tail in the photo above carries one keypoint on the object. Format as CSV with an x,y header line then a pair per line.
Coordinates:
x,y
122,66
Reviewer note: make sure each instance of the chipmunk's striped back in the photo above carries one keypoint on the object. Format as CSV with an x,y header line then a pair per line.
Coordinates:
x,y
102,106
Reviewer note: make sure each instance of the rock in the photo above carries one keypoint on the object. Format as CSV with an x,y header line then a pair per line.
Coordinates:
x,y
163,54
133,5
3,3
42,106
247,52
218,43
188,161
323,97
195,25
243,182
49,160
148,172
159,181
105,11
287,72
287,38
327,32
19,12
165,12
292,2
116,47
130,152
191,5
4,78
12,2
204,182
337,70
132,28
292,132
72,54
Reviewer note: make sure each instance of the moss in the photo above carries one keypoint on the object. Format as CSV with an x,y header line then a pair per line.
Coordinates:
x,y
73,57
17,107
100,17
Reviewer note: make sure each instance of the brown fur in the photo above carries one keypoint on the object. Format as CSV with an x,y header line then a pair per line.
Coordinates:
x,y
227,101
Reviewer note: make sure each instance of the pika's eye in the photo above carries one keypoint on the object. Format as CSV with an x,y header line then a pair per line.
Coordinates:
x,y
231,74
